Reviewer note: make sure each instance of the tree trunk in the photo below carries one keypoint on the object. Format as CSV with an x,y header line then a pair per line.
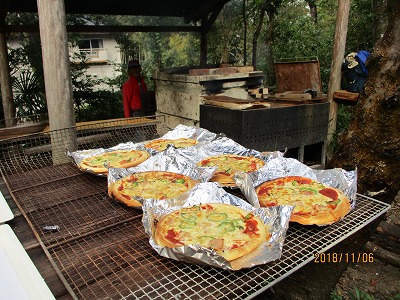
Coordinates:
x,y
372,143
244,9
271,78
313,10
256,36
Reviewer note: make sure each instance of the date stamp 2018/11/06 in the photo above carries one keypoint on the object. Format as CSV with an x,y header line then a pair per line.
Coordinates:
x,y
343,257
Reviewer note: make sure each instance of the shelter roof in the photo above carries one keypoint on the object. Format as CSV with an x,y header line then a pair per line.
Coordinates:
x,y
190,10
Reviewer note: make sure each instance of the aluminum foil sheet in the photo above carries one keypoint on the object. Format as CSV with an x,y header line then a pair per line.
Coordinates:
x,y
169,160
346,181
183,131
275,218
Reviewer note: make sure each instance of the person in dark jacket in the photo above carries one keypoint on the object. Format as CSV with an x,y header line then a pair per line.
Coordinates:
x,y
133,90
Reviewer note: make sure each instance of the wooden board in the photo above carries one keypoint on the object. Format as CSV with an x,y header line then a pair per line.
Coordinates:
x,y
345,95
293,96
298,75
221,71
234,103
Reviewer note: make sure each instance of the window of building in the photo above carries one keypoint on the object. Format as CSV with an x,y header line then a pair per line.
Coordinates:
x,y
91,44
91,47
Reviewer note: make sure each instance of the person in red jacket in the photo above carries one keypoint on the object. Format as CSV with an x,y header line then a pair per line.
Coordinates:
x,y
133,90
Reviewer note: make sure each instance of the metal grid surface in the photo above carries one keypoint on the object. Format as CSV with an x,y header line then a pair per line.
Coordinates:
x,y
103,252
34,151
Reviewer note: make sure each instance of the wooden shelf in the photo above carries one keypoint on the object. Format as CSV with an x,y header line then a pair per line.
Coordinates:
x,y
345,97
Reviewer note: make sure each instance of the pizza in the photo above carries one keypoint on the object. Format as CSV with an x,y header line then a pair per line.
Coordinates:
x,y
315,203
161,144
229,230
229,164
114,159
151,184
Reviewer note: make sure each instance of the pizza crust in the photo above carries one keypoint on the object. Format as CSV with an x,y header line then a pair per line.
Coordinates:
x,y
312,209
86,164
155,185
161,144
227,169
247,233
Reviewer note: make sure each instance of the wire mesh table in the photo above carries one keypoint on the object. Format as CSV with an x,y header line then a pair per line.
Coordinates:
x,y
102,252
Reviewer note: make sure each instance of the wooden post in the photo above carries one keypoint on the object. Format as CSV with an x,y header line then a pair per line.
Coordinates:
x,y
339,47
57,76
5,85
203,43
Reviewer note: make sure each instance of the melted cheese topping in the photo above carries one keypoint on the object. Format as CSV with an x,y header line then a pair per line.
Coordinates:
x,y
308,198
210,226
157,185
230,164
162,144
114,158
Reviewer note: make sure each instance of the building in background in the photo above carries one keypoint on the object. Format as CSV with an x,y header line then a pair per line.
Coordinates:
x,y
102,54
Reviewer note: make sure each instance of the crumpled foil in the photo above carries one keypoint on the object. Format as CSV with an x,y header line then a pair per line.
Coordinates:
x,y
346,181
275,218
170,161
190,132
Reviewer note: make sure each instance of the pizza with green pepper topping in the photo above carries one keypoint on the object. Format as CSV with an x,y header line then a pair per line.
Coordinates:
x,y
229,164
229,230
152,184
114,159
315,203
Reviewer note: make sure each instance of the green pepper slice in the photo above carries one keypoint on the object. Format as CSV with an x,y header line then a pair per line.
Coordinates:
x,y
217,217
227,226
184,224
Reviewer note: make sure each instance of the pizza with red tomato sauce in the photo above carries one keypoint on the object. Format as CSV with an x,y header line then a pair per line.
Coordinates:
x,y
151,184
314,202
227,229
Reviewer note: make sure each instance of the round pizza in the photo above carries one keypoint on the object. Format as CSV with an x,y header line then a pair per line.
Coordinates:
x,y
161,144
114,159
151,184
229,230
229,164
315,203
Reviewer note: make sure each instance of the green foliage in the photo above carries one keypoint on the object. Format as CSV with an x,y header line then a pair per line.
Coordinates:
x,y
345,114
28,96
361,28
100,105
356,295
360,295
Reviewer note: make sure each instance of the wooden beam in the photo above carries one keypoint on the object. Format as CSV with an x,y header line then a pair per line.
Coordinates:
x,y
200,12
203,46
206,26
106,28
4,4
339,46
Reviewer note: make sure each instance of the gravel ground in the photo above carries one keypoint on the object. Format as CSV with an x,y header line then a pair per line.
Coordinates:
x,y
378,279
